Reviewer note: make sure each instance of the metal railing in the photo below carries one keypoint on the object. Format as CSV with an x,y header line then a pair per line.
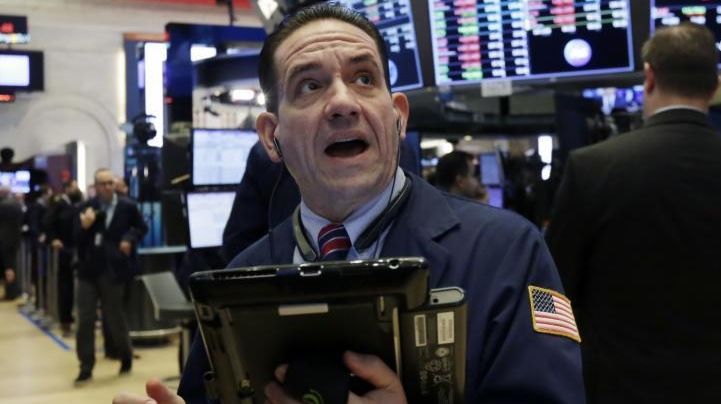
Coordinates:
x,y
38,280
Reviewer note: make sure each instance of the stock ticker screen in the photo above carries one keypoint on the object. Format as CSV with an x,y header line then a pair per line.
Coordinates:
x,y
394,20
475,40
665,13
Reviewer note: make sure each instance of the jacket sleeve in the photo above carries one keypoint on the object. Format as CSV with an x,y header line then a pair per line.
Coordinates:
x,y
518,362
136,227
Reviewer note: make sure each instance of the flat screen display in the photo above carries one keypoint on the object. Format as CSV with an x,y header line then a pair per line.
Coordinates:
x,y
220,155
14,29
668,13
394,20
17,181
21,71
208,213
491,173
495,196
614,98
474,40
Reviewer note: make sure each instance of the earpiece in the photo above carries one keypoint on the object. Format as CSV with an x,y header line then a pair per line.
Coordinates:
x,y
277,147
398,126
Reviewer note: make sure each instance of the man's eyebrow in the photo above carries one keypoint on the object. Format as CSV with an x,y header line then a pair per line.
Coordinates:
x,y
302,68
365,58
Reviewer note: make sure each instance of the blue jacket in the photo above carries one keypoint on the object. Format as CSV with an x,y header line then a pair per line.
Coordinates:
x,y
494,255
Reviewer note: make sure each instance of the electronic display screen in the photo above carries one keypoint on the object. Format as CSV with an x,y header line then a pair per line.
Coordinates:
x,y
220,155
476,40
394,20
208,212
613,98
14,29
21,71
668,13
17,181
495,196
490,169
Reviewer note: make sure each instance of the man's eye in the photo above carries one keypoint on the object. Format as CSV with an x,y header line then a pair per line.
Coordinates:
x,y
364,79
308,86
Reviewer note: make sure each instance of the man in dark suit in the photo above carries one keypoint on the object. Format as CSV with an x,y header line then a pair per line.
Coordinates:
x,y
11,220
636,235
108,232
59,222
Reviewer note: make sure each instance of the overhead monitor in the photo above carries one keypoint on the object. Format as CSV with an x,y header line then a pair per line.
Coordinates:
x,y
219,155
14,29
208,212
21,71
394,20
629,99
18,181
668,13
474,40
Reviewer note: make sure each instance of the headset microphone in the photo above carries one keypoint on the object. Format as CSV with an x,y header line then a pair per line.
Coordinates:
x,y
277,147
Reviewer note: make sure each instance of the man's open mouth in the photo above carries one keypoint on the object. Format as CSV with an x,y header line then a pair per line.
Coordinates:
x,y
346,148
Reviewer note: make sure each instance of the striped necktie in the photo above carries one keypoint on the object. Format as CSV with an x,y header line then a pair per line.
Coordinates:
x,y
334,242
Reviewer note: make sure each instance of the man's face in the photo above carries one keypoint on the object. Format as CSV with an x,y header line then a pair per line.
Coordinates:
x,y
104,185
336,121
468,184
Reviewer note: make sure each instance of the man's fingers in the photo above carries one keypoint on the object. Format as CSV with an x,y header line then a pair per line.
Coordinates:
x,y
371,369
162,395
275,394
127,398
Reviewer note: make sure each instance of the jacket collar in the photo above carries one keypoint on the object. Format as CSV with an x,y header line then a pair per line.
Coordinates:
x,y
678,115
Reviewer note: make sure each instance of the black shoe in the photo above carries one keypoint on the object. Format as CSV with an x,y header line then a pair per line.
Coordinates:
x,y
83,377
125,366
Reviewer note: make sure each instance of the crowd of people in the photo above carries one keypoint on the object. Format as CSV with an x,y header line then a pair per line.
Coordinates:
x,y
95,241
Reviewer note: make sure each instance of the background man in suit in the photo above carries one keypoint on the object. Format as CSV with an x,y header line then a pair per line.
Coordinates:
x,y
11,220
636,235
109,230
454,174
60,220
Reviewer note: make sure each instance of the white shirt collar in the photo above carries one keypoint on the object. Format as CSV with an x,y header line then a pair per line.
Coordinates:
x,y
677,106
358,220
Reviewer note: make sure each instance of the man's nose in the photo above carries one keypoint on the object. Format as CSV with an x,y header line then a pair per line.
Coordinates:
x,y
342,101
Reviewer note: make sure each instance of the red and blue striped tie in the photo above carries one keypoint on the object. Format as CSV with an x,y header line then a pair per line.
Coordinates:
x,y
334,242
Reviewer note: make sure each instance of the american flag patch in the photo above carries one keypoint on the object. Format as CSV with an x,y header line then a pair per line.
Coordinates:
x,y
552,314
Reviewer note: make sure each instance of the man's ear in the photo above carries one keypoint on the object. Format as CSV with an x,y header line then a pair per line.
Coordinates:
x,y
266,125
649,82
402,108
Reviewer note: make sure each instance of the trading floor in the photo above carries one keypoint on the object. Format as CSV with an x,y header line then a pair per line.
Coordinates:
x,y
39,366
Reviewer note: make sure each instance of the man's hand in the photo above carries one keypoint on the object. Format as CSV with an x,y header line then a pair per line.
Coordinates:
x,y
157,394
125,247
57,244
368,367
10,275
87,218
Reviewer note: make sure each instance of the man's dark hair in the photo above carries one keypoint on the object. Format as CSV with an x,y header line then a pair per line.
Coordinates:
x,y
684,60
267,72
450,166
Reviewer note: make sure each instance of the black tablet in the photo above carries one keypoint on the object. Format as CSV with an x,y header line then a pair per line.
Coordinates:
x,y
253,319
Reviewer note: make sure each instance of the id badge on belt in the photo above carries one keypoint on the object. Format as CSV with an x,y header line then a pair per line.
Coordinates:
x,y
98,239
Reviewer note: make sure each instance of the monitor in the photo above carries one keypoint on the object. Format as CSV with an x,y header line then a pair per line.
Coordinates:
x,y
394,20
495,196
666,13
14,29
491,171
21,71
18,181
207,212
474,41
629,99
219,155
